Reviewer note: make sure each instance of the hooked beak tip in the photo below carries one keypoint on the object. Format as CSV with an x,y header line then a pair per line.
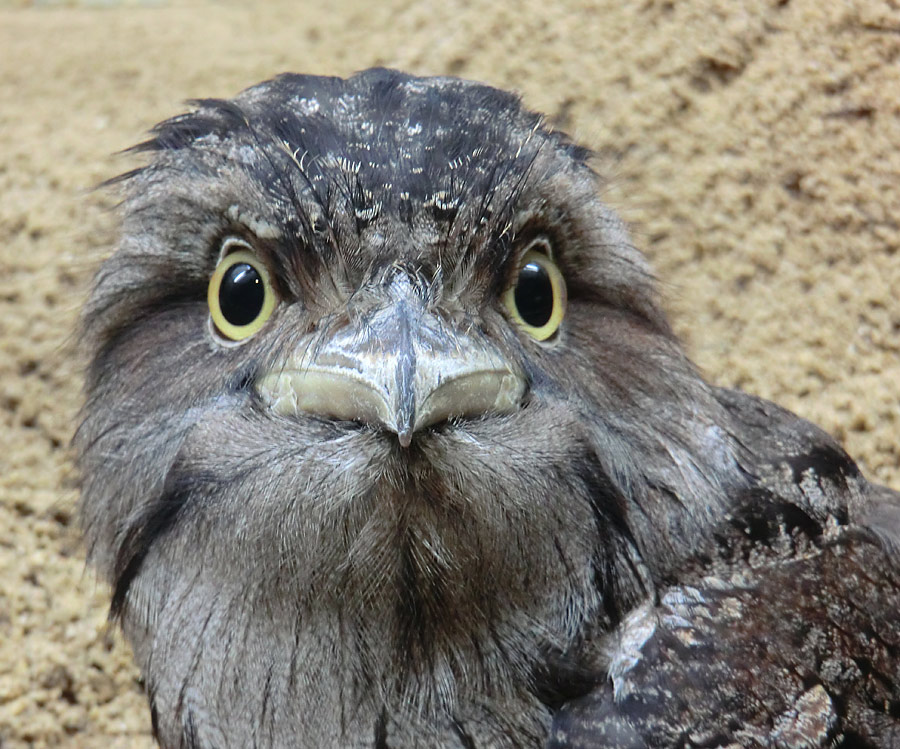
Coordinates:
x,y
404,436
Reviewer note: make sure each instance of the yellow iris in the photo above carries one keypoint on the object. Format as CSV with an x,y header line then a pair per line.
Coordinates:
x,y
537,299
240,295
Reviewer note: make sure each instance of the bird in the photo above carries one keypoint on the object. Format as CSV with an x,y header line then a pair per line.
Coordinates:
x,y
387,442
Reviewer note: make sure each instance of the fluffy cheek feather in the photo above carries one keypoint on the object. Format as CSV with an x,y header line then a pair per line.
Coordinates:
x,y
317,511
410,578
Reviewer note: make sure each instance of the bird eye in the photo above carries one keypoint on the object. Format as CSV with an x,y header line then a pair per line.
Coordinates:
x,y
537,300
240,295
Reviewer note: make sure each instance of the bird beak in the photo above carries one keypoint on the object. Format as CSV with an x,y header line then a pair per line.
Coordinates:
x,y
402,369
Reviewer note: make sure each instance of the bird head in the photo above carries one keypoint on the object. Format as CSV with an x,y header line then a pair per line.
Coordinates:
x,y
374,348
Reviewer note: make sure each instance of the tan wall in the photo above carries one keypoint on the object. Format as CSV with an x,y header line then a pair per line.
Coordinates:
x,y
754,145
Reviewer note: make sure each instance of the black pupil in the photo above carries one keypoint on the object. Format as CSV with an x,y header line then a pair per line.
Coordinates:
x,y
534,295
241,294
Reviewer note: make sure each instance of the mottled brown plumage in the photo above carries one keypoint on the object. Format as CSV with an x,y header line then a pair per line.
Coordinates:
x,y
406,505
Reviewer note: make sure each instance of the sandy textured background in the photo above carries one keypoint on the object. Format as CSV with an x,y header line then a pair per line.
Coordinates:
x,y
755,146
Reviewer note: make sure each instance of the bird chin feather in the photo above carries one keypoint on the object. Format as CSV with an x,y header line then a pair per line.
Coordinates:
x,y
434,583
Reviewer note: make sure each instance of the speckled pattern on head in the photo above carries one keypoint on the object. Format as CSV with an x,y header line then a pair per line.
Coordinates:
x,y
430,152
